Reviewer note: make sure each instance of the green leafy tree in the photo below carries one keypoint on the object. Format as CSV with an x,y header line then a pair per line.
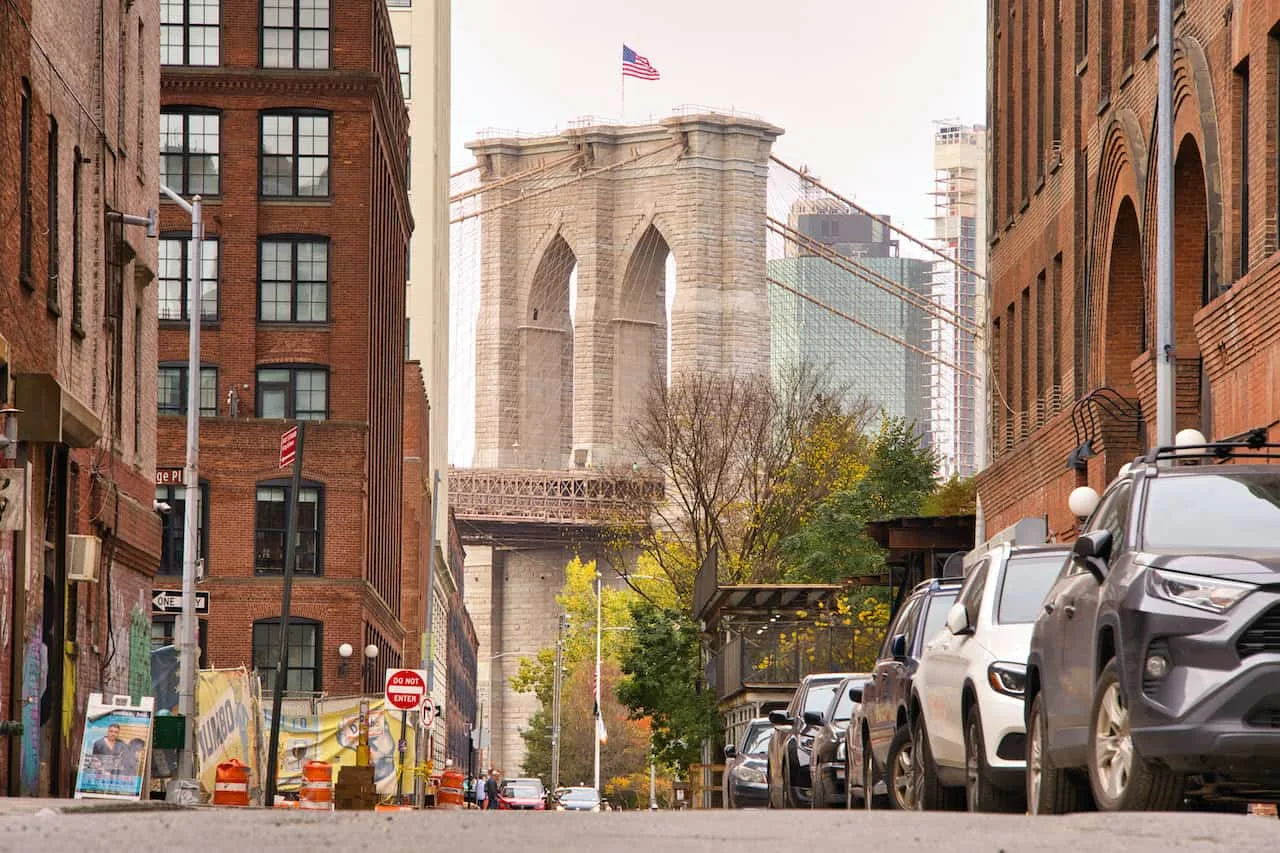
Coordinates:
x,y
834,545
662,678
955,496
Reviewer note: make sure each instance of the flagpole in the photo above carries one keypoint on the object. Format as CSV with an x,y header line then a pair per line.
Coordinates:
x,y
623,113
597,732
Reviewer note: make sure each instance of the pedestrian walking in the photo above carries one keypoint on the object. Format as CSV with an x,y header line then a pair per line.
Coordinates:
x,y
478,788
491,791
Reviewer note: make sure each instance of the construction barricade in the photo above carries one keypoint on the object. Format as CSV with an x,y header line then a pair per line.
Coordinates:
x,y
449,794
316,792
231,786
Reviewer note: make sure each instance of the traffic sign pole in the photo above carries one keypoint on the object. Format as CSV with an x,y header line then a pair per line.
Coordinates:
x,y
282,666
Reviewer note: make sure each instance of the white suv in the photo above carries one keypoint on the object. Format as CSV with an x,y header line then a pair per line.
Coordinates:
x,y
967,723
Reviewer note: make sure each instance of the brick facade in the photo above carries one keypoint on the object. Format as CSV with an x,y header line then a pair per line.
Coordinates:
x,y
77,311
354,453
1072,170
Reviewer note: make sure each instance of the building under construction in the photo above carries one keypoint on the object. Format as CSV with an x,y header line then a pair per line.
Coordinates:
x,y
955,384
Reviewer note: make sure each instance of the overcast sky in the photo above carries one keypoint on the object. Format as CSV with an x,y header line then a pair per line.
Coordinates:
x,y
856,84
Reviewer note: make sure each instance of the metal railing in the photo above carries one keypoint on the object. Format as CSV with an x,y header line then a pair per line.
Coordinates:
x,y
551,497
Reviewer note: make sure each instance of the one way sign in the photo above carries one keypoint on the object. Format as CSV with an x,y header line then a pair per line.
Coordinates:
x,y
170,601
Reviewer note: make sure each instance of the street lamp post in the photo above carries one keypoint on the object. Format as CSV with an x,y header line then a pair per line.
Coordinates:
x,y
563,623
1165,353
187,642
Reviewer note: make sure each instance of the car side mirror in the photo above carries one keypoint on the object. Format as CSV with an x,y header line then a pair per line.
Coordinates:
x,y
855,693
898,647
779,719
730,751
813,718
958,620
1094,549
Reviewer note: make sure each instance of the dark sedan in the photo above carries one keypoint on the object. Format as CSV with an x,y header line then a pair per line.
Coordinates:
x,y
746,784
827,757
792,739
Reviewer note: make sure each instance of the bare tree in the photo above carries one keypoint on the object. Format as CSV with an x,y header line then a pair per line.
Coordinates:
x,y
741,466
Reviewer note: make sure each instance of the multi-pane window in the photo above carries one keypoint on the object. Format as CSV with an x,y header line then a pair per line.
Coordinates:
x,y
295,33
271,520
171,390
189,33
405,60
294,154
52,235
174,278
302,669
301,393
293,280
171,552
189,148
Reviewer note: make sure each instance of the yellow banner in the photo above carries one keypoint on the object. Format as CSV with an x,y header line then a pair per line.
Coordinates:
x,y
226,703
331,734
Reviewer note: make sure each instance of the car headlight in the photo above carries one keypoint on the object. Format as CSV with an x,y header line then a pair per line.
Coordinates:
x,y
841,751
1007,677
1202,593
752,775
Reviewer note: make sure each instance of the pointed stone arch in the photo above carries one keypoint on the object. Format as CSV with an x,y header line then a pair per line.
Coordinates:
x,y
546,360
639,330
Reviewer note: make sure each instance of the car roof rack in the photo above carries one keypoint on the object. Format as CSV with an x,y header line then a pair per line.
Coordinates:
x,y
1217,451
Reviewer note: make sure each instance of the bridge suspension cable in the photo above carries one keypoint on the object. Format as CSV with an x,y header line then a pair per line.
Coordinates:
x,y
872,329
933,250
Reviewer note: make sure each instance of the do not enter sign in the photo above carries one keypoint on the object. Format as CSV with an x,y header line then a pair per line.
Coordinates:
x,y
406,689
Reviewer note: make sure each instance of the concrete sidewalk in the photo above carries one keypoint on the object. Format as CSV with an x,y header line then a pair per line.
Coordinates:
x,y
20,806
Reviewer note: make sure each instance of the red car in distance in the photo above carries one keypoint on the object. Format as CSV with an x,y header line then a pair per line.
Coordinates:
x,y
522,795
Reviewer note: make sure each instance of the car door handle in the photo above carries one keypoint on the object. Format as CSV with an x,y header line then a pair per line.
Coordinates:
x,y
1048,607
1070,610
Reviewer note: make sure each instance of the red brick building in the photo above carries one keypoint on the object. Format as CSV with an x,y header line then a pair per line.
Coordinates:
x,y
286,116
79,538
1071,99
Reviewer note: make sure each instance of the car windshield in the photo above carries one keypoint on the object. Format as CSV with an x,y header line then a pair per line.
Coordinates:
x,y
1213,513
819,696
579,795
1026,581
937,616
522,791
844,702
757,740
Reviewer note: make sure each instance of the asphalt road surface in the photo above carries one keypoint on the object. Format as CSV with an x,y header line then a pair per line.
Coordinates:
x,y
209,830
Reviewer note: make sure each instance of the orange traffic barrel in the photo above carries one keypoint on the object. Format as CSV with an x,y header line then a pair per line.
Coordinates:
x,y
231,785
317,786
449,794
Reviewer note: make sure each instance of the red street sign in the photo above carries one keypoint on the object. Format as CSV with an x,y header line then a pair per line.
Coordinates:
x,y
288,447
406,688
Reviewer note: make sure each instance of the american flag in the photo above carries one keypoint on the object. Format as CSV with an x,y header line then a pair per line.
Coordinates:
x,y
635,65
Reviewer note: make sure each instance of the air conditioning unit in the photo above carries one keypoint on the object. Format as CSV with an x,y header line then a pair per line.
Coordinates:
x,y
83,555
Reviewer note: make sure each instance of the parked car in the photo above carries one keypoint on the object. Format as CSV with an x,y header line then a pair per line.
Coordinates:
x,y
968,726
827,760
879,738
1155,660
577,800
746,783
792,739
522,795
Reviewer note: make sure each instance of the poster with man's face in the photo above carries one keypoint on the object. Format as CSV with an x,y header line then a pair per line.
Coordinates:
x,y
114,752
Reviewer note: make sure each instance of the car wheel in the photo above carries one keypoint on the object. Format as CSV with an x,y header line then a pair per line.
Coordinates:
x,y
869,798
900,771
1050,789
980,794
1121,780
929,793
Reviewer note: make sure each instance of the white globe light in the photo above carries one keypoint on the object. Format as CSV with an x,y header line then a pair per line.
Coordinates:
x,y
371,651
345,650
1083,501
1188,438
